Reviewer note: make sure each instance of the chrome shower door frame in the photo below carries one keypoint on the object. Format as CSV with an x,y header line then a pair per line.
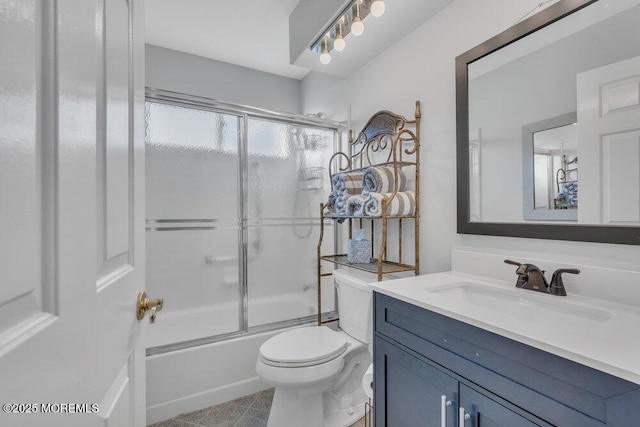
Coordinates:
x,y
244,113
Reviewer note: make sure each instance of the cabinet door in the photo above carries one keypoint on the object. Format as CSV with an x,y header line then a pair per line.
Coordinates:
x,y
408,391
485,412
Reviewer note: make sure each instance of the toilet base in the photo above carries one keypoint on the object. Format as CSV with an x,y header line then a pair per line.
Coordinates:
x,y
293,409
344,417
339,406
345,405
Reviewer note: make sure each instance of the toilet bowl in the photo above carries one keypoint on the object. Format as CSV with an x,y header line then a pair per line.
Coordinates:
x,y
316,371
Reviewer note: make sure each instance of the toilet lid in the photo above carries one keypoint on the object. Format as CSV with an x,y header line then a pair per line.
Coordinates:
x,y
303,347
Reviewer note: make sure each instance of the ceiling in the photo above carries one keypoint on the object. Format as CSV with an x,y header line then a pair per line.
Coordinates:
x,y
250,33
255,33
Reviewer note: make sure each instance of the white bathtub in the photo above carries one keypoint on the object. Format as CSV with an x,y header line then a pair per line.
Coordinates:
x,y
198,377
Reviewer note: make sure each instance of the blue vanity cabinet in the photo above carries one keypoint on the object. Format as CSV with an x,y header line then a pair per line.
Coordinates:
x,y
486,412
411,390
420,355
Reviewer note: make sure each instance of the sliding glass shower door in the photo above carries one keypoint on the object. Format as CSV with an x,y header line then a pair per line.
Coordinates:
x,y
287,181
232,220
193,205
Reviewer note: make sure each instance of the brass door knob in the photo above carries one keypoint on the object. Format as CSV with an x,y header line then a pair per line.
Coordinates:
x,y
145,304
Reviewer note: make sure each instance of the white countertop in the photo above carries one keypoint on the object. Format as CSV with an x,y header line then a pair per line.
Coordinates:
x,y
599,334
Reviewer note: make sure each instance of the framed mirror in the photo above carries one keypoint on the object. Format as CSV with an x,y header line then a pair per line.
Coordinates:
x,y
554,95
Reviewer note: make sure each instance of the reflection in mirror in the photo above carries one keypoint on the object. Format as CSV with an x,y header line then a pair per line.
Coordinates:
x,y
550,169
555,161
587,63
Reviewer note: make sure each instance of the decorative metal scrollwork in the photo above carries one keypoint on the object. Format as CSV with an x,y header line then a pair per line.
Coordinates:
x,y
383,139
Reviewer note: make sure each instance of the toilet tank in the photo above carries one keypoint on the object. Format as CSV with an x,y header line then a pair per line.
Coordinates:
x,y
355,305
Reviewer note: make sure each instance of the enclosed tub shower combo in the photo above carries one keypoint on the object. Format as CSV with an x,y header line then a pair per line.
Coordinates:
x,y
231,197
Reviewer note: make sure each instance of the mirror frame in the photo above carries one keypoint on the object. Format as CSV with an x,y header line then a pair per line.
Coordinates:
x,y
572,232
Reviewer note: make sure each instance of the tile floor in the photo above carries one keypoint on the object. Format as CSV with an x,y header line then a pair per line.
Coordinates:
x,y
247,411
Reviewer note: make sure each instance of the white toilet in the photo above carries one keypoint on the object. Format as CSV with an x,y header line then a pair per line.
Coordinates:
x,y
316,371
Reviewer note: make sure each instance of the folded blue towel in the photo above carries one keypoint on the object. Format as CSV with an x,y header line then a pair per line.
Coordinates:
x,y
568,194
341,205
331,202
569,188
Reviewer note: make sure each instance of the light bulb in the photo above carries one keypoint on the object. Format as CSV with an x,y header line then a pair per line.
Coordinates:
x,y
339,43
377,8
325,58
357,27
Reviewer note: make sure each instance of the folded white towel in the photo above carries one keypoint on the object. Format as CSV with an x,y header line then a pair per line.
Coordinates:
x,y
355,205
347,183
381,179
404,203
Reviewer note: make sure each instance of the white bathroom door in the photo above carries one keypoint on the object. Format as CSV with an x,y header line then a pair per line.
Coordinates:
x,y
609,144
71,213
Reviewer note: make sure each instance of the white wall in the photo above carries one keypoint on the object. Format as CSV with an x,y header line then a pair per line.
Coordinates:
x,y
421,66
194,75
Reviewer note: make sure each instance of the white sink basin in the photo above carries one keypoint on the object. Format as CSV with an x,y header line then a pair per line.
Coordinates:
x,y
522,303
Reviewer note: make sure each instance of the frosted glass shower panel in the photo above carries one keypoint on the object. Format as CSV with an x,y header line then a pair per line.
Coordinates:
x,y
232,217
192,163
282,271
288,173
197,273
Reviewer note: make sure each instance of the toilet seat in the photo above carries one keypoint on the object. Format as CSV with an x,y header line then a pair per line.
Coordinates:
x,y
309,346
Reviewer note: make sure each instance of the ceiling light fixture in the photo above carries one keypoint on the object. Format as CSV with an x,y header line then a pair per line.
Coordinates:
x,y
377,8
348,21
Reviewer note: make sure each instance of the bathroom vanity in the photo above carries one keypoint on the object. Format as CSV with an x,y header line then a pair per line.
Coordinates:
x,y
456,350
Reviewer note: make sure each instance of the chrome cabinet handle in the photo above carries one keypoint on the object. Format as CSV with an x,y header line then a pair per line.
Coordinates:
x,y
443,410
462,417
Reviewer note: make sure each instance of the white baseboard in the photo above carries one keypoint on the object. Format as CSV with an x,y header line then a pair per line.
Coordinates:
x,y
195,402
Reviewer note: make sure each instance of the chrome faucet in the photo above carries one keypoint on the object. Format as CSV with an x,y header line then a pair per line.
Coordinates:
x,y
532,278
